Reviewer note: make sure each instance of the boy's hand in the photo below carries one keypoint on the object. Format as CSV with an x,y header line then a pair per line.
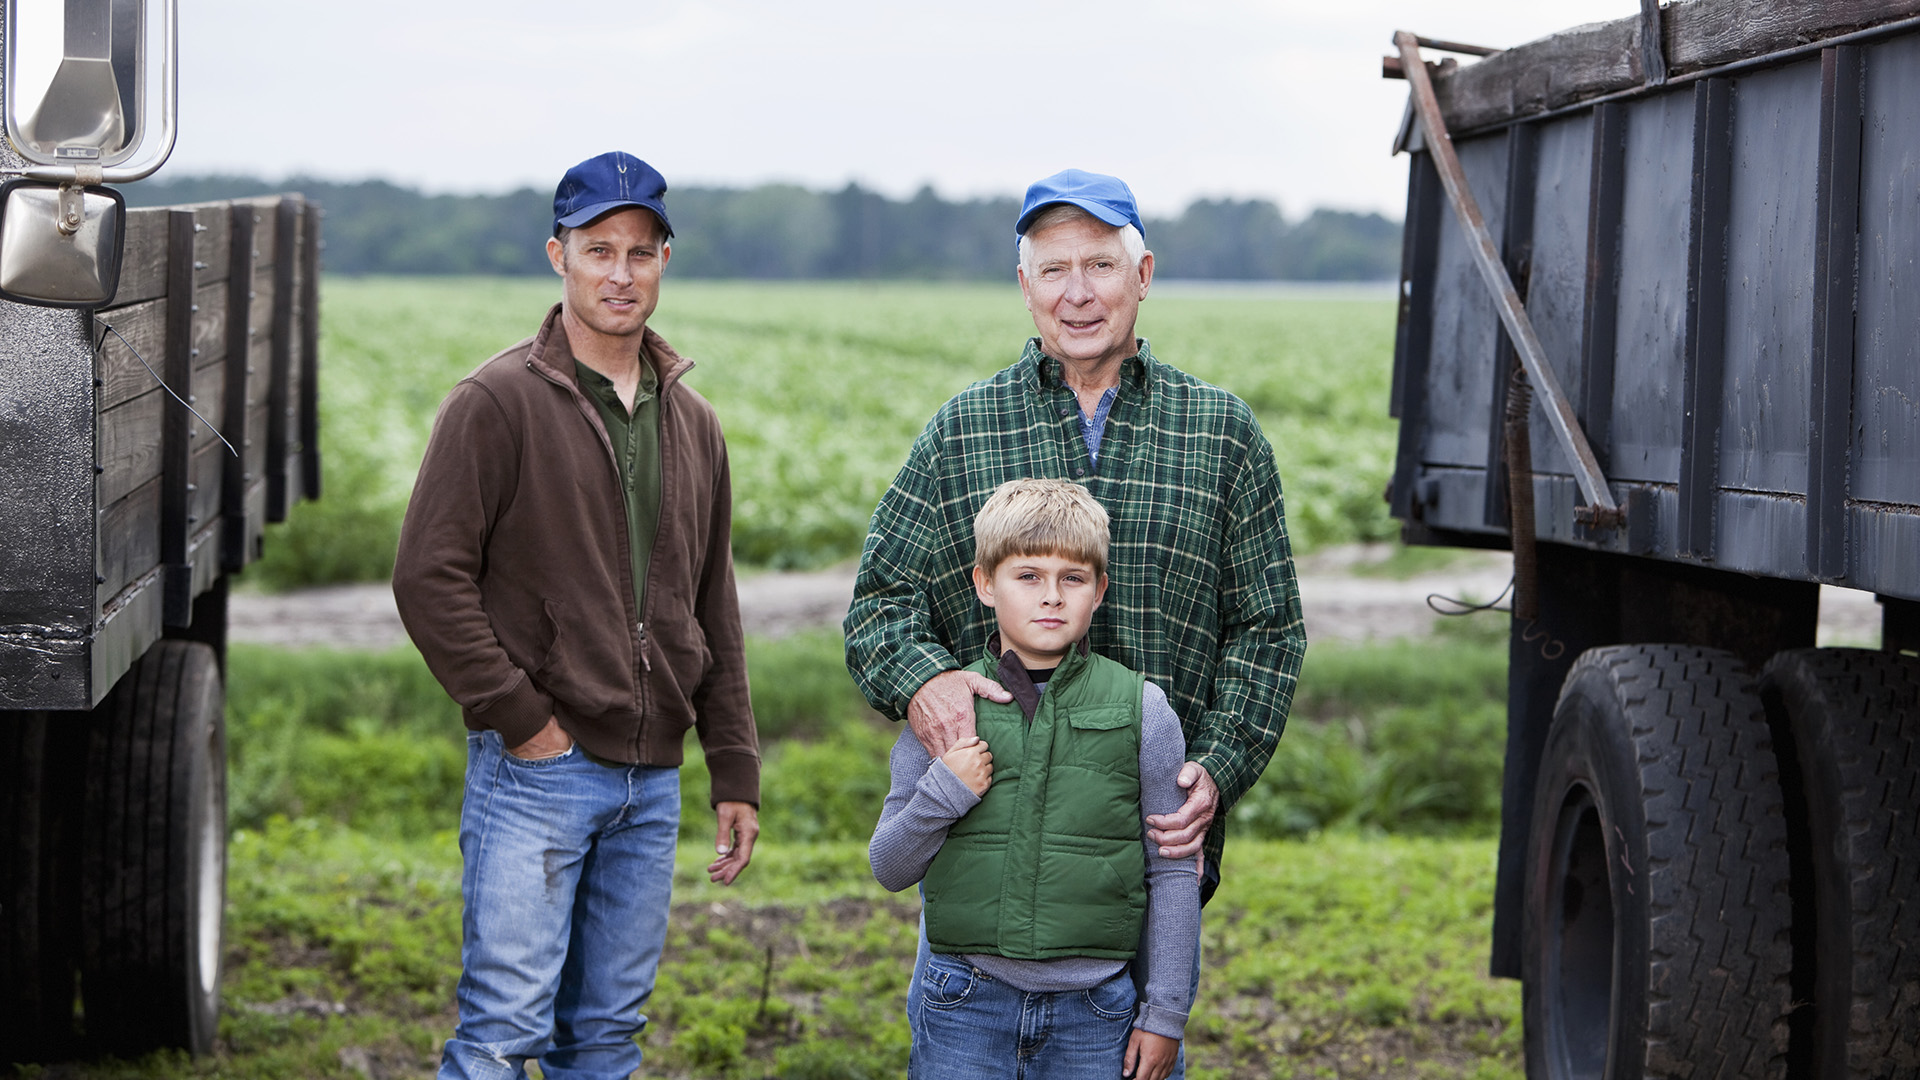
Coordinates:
x,y
1149,1056
739,828
970,762
941,712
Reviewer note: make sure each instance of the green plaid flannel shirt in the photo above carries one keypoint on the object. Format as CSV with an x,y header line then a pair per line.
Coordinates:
x,y
1202,596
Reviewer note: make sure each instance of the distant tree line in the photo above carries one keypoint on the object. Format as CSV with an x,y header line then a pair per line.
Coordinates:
x,y
787,231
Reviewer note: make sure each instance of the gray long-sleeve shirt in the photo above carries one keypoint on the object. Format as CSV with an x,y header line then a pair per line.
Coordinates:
x,y
926,798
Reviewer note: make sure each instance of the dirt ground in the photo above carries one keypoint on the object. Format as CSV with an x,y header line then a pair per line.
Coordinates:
x,y
1341,600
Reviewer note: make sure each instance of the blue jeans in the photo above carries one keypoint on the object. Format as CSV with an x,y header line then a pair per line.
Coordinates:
x,y
975,1027
916,993
568,873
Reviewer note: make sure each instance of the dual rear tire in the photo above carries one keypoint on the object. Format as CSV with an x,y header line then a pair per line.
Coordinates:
x,y
1724,874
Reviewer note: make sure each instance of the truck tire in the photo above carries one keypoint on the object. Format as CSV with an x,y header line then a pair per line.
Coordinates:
x,y
39,931
1657,912
1852,720
153,864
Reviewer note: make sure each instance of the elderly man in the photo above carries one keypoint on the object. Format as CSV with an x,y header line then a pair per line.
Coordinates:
x,y
1202,595
565,570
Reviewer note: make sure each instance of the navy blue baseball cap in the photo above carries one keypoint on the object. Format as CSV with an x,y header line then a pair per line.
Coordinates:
x,y
612,181
1105,197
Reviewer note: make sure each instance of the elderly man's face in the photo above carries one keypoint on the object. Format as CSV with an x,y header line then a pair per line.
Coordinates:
x,y
1083,290
610,268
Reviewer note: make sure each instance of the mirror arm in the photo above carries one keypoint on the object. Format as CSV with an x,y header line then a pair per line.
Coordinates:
x,y
72,198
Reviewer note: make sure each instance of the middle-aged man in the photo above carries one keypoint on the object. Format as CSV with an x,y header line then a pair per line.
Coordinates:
x,y
565,570
1202,595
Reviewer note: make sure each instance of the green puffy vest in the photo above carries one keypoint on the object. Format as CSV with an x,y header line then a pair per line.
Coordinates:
x,y
1051,862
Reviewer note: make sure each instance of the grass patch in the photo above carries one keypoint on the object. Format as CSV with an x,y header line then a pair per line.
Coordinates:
x,y
1346,957
821,387
1357,951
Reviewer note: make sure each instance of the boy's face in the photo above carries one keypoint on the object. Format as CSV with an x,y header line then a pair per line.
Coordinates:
x,y
1044,603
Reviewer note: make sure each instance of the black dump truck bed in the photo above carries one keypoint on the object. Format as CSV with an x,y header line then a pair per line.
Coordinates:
x,y
1725,274
1660,334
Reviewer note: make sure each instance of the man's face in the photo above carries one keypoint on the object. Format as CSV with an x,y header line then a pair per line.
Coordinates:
x,y
1043,603
610,270
1083,291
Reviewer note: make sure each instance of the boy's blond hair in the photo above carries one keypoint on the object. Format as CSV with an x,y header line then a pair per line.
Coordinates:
x,y
1040,517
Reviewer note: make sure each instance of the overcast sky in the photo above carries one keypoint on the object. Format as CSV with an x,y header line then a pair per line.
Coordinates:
x,y
1280,100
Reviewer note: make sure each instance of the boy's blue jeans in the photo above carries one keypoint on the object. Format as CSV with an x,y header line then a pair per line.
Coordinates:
x,y
567,877
916,993
974,1027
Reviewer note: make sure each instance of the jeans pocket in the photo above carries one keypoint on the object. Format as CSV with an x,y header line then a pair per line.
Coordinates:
x,y
1113,999
946,984
560,758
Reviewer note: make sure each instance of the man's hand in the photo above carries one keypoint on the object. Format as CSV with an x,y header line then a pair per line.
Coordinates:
x,y
1149,1056
739,827
941,712
549,742
971,762
1180,833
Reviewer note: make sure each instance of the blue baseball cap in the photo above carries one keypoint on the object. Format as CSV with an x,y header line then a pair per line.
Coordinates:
x,y
1105,197
612,181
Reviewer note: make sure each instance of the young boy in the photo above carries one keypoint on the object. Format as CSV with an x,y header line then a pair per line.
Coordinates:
x,y
1045,903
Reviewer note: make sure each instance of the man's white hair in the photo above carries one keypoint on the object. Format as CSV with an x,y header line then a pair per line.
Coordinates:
x,y
1131,241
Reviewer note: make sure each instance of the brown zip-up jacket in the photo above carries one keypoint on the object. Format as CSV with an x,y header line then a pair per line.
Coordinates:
x,y
514,579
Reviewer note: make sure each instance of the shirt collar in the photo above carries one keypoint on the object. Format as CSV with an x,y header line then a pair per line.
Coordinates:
x,y
1012,672
593,382
1043,372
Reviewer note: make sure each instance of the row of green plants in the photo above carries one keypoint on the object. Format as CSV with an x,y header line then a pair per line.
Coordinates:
x,y
822,388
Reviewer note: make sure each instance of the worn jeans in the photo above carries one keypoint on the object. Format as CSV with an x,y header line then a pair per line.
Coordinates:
x,y
916,992
568,872
972,1026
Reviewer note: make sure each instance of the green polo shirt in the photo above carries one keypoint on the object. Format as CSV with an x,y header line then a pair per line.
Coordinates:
x,y
636,450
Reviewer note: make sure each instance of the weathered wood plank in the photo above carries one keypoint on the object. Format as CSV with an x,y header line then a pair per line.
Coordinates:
x,y
176,461
280,401
143,325
263,237
309,306
260,368
129,446
255,451
204,493
236,547
1583,62
260,305
210,243
143,267
210,401
1602,58
129,537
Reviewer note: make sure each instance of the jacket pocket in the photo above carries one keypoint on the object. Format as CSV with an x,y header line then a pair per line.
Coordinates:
x,y
1100,717
583,668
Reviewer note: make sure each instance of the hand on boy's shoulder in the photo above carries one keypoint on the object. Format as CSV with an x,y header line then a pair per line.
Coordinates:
x,y
941,712
970,761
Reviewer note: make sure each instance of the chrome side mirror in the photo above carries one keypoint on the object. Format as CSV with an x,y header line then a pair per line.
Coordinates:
x,y
60,244
61,230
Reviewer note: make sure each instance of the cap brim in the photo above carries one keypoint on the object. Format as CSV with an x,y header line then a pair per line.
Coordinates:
x,y
1099,210
588,213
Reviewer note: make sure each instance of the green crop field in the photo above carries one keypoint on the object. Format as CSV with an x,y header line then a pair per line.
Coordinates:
x,y
1349,939
822,387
